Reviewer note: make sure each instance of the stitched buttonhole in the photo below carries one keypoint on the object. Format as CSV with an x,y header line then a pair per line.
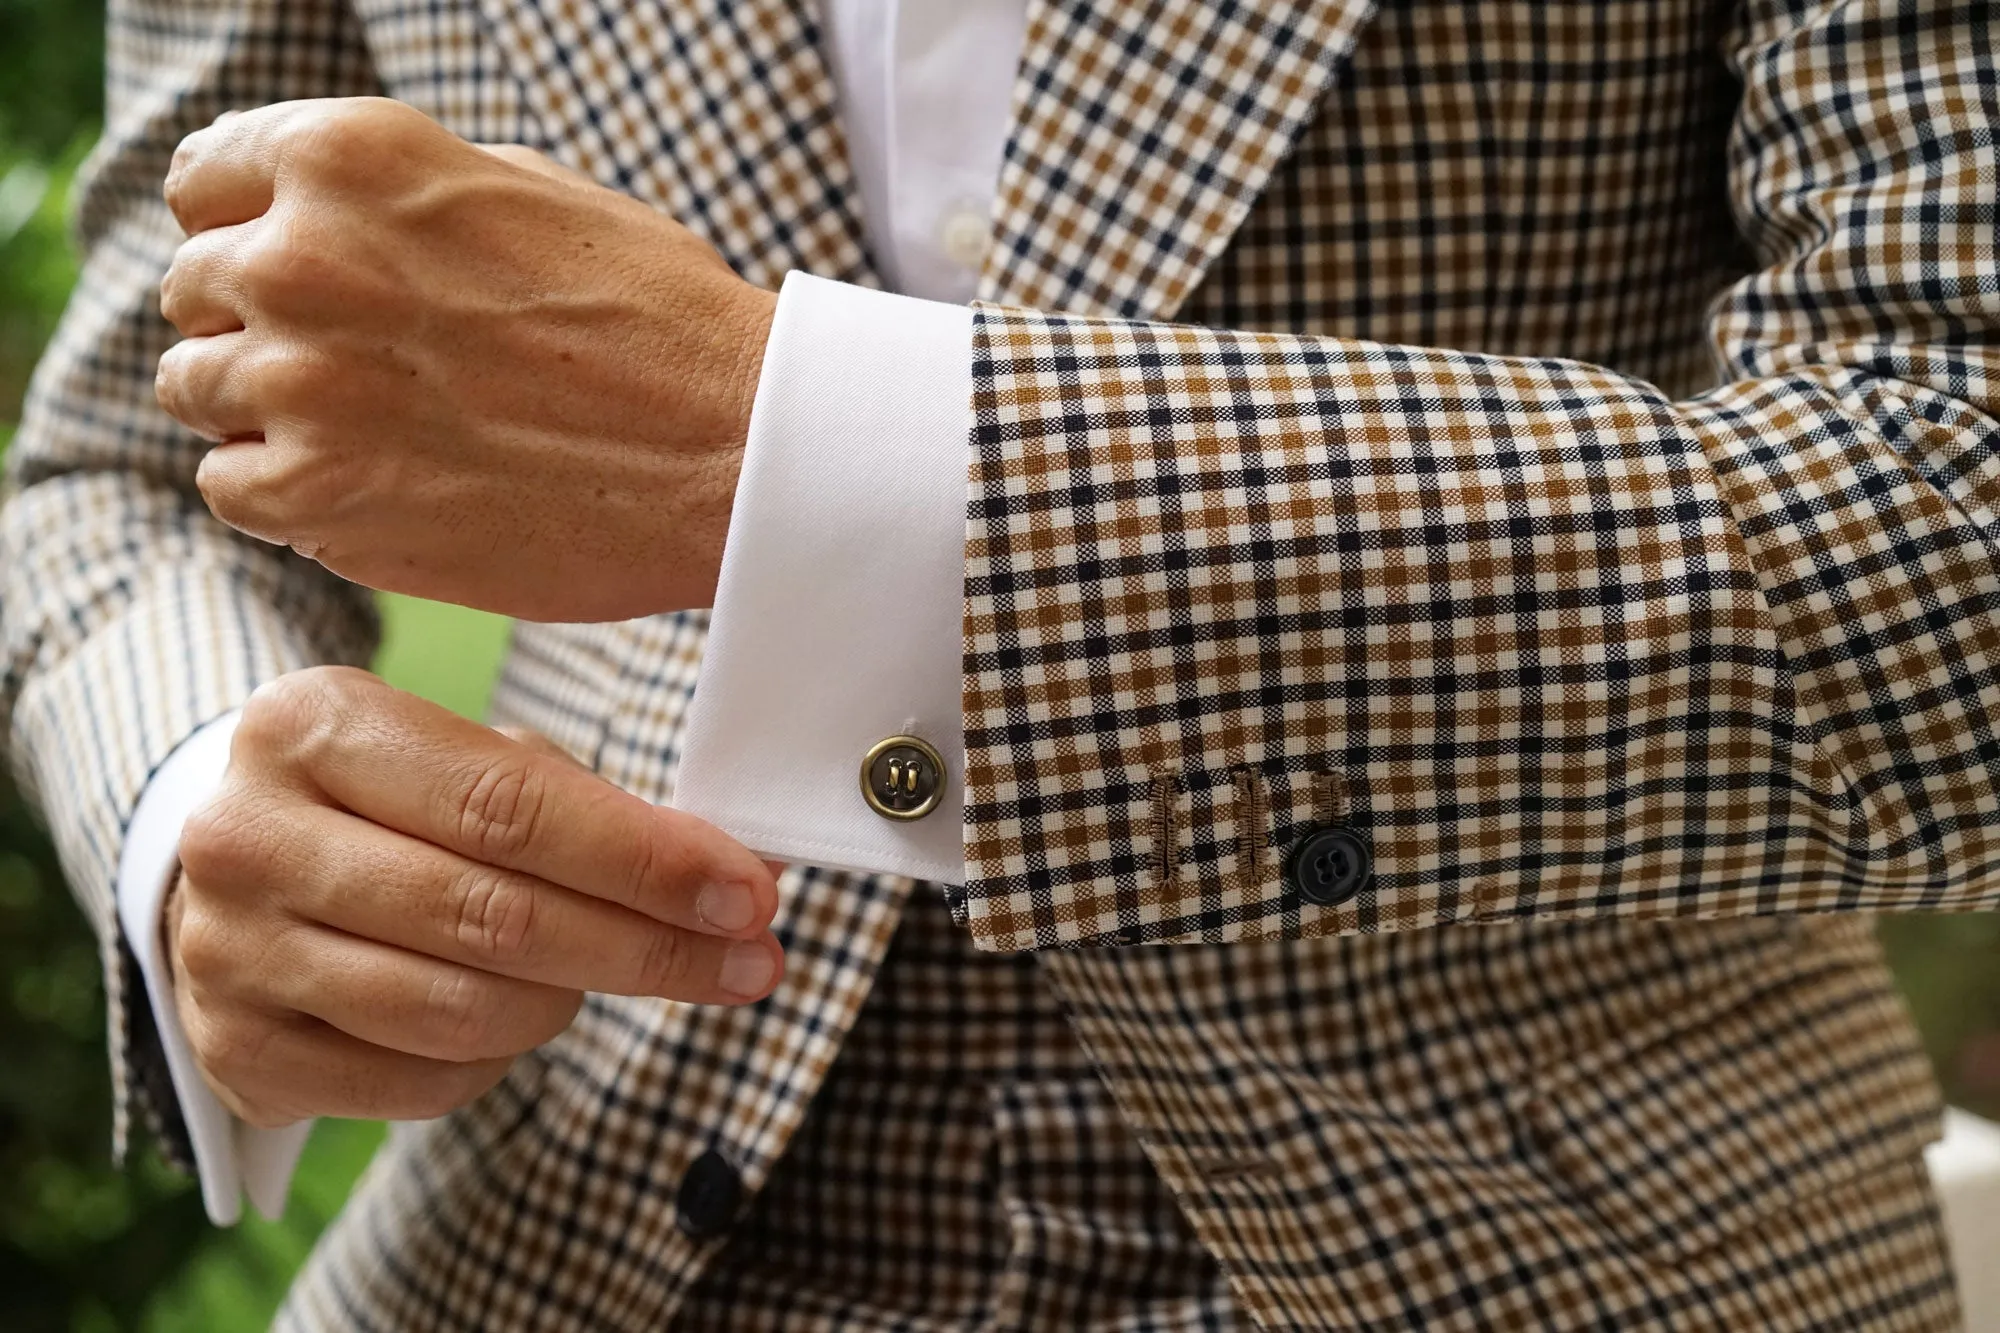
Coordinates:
x,y
1329,793
1166,856
1252,832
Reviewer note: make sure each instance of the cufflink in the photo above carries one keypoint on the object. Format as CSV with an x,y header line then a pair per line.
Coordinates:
x,y
902,777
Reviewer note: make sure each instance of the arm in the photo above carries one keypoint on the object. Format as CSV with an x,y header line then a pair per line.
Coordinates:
x,y
383,904
1560,646
1542,641
130,616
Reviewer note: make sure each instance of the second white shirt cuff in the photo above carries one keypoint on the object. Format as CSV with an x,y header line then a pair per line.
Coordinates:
x,y
230,1157
838,613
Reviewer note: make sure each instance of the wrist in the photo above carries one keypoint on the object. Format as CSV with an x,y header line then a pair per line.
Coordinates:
x,y
741,368
759,311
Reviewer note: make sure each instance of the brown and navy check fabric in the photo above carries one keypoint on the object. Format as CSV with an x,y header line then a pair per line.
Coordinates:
x,y
1582,631
962,1166
1554,439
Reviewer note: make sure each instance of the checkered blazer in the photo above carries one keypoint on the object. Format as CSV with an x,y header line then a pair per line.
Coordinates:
x,y
1571,464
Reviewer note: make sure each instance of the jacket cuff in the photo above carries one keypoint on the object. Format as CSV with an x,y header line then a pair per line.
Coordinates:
x,y
91,728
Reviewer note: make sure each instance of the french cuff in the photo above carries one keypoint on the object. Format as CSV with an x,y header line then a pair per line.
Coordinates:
x,y
231,1158
838,614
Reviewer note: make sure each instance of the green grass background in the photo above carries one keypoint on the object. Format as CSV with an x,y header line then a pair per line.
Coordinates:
x,y
87,1247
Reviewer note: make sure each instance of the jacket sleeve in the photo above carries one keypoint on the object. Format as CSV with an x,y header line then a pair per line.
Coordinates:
x,y
129,616
1550,643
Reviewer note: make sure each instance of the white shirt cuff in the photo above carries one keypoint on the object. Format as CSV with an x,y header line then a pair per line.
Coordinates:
x,y
838,615
230,1157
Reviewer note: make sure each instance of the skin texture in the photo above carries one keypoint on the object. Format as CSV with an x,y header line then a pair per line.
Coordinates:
x,y
386,903
467,374
458,372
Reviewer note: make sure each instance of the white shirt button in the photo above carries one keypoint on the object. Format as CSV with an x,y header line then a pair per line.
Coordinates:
x,y
963,237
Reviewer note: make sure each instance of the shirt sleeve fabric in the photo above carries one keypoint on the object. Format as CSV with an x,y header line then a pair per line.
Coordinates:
x,y
837,618
230,1157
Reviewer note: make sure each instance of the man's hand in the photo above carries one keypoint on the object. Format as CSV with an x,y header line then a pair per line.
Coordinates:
x,y
385,904
465,374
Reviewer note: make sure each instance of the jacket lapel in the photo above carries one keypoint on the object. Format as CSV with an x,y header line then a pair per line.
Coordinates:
x,y
721,112
1143,132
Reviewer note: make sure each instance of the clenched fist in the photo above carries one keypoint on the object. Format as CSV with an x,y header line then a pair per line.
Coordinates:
x,y
385,904
466,374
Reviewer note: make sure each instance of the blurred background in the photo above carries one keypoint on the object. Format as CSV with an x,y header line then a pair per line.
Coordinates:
x,y
85,1247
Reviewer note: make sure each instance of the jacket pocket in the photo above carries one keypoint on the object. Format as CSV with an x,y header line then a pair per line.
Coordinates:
x,y
1690,1129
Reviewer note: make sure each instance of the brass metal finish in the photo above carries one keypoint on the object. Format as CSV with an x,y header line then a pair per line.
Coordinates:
x,y
902,778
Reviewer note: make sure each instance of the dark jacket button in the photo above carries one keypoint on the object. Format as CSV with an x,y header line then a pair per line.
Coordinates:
x,y
709,1196
1329,866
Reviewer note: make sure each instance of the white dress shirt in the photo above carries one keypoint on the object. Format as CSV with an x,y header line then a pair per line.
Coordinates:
x,y
837,616
837,613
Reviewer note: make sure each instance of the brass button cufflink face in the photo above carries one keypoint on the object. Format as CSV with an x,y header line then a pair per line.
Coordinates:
x,y
902,778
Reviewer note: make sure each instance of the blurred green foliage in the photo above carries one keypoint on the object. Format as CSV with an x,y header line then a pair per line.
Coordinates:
x,y
87,1247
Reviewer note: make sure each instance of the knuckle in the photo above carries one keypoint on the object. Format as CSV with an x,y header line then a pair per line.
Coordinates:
x,y
275,263
186,153
493,915
172,304
317,144
348,135
204,1034
280,714
259,1116
199,944
231,1046
667,961
170,382
232,495
291,382
195,267
499,813
219,842
307,482
292,718
646,868
456,1014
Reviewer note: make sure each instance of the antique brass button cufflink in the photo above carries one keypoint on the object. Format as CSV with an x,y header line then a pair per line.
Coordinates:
x,y
902,778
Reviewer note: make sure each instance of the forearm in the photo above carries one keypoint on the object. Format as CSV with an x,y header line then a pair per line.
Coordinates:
x,y
1572,648
1505,603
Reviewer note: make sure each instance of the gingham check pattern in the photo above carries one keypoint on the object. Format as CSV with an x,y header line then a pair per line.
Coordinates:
x,y
1549,1121
1577,646
962,1166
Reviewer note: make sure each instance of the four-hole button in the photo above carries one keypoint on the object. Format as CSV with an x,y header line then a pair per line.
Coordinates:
x,y
1329,866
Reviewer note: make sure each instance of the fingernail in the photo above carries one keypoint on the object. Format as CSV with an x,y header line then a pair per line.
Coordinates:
x,y
726,906
747,969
